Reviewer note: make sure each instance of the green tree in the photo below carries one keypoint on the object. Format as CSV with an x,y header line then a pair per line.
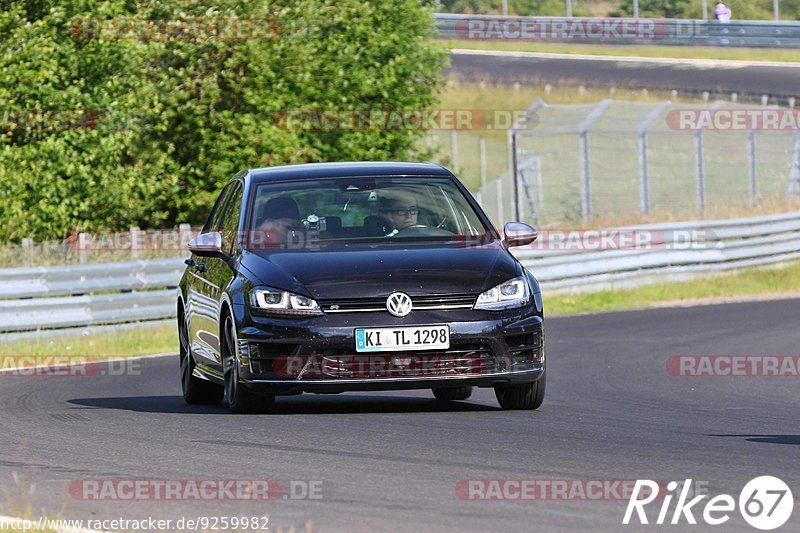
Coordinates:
x,y
177,117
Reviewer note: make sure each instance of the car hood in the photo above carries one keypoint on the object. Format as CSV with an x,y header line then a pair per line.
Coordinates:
x,y
377,272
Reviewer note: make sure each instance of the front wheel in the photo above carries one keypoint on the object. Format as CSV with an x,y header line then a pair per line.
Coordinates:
x,y
196,391
240,400
525,396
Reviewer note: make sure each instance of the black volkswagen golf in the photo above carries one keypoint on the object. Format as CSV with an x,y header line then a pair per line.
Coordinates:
x,y
338,277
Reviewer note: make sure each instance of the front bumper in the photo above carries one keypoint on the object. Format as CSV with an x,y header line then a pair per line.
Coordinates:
x,y
290,356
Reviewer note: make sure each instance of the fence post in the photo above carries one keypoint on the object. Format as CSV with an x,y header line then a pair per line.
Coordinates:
x,y
500,215
537,176
644,185
482,146
583,148
136,242
184,235
700,177
586,185
794,172
83,244
752,188
27,245
515,173
644,179
454,149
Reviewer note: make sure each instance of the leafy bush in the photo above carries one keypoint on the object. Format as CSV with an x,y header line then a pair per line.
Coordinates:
x,y
163,122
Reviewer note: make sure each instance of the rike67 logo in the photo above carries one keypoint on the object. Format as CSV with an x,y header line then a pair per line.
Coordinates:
x,y
765,503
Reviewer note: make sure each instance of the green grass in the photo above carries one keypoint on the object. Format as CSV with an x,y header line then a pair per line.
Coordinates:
x,y
678,52
90,347
750,282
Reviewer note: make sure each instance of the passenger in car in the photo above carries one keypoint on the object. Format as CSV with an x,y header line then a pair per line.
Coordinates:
x,y
281,218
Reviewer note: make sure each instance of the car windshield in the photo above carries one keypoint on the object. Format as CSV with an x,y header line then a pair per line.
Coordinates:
x,y
310,214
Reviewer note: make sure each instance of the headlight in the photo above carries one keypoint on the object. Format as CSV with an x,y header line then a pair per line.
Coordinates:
x,y
280,302
507,295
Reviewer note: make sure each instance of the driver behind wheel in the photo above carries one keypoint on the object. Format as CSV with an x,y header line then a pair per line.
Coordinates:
x,y
400,208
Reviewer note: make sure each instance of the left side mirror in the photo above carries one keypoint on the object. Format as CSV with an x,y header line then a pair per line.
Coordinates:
x,y
518,234
208,245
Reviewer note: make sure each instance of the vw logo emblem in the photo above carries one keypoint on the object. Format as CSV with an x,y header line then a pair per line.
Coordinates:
x,y
398,304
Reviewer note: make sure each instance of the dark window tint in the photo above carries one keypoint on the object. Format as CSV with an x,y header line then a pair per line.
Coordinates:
x,y
230,220
213,219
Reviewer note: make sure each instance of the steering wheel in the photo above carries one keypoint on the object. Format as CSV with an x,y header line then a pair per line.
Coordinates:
x,y
421,230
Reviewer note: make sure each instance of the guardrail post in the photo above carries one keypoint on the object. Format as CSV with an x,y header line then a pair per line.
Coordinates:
x,y
752,189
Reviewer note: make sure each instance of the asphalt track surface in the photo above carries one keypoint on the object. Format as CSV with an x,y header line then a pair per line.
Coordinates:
x,y
391,461
717,77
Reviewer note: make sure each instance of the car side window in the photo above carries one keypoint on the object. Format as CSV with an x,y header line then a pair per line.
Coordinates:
x,y
213,219
230,219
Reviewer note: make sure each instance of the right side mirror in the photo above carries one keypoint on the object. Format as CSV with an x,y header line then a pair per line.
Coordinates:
x,y
518,234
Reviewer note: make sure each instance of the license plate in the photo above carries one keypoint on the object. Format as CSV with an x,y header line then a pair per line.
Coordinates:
x,y
401,339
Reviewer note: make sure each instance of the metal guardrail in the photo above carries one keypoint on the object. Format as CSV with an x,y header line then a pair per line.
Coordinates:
x,y
87,295
676,251
641,31
116,293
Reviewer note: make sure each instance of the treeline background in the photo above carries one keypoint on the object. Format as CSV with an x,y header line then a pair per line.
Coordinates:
x,y
171,120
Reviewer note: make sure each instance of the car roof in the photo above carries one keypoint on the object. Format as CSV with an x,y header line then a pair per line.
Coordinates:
x,y
346,169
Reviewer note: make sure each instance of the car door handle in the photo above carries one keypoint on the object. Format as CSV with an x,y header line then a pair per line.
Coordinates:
x,y
201,267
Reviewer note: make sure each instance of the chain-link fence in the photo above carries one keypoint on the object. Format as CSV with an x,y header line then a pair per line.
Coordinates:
x,y
614,161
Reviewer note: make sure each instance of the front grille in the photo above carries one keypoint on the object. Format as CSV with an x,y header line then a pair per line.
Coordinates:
x,y
466,360
356,305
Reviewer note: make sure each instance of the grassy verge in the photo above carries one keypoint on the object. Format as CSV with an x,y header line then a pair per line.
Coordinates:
x,y
678,52
749,282
95,346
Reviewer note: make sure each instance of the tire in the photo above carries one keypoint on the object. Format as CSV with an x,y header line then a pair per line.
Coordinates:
x,y
447,394
196,391
240,400
525,396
